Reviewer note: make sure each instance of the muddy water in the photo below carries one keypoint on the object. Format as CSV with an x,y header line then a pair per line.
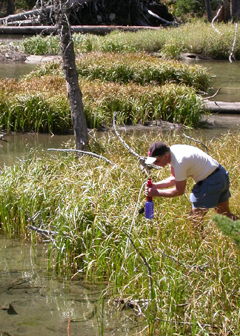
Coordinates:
x,y
33,302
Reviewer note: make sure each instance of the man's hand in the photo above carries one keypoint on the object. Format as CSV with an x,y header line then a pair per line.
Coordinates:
x,y
151,191
177,190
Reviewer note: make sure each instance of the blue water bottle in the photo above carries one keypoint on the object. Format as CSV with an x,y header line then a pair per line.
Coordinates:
x,y
149,204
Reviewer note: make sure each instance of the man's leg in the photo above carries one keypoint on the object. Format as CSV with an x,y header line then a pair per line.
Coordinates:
x,y
223,209
197,215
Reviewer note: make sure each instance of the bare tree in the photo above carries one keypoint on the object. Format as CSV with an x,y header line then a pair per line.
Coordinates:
x,y
70,72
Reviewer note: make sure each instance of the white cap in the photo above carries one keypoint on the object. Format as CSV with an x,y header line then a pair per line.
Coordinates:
x,y
150,160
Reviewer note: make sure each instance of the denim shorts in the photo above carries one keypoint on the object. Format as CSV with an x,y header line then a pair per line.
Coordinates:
x,y
212,190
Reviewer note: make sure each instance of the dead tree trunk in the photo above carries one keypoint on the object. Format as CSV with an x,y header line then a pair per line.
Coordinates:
x,y
209,10
235,9
71,75
10,7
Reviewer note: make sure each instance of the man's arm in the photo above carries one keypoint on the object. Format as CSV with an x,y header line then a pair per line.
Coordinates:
x,y
166,183
177,190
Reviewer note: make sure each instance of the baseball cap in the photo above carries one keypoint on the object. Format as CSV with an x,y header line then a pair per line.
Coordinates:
x,y
155,150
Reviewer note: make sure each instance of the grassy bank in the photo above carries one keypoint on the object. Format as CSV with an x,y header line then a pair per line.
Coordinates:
x,y
94,208
196,37
136,85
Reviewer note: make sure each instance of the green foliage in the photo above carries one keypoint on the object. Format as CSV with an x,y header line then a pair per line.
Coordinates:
x,y
229,228
26,112
39,45
196,37
185,9
21,5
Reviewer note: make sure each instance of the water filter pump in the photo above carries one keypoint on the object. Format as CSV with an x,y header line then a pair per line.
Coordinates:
x,y
149,204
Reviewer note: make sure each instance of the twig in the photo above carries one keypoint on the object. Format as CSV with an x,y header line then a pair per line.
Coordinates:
x,y
188,137
141,158
214,95
68,327
215,17
144,261
231,56
46,233
122,141
188,323
200,267
82,152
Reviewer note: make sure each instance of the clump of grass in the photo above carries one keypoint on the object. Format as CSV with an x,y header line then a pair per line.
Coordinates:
x,y
91,205
39,45
25,108
26,112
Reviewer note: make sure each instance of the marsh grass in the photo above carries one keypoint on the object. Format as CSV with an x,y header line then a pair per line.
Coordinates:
x,y
195,37
137,68
91,205
139,87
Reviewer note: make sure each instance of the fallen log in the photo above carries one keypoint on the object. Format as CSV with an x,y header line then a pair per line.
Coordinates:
x,y
24,15
47,30
25,23
222,107
35,12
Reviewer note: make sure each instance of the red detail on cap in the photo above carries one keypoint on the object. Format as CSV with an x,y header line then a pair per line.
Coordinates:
x,y
149,153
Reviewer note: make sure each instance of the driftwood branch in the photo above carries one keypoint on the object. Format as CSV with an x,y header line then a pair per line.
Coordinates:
x,y
215,18
24,16
140,158
231,56
81,152
214,95
188,137
161,19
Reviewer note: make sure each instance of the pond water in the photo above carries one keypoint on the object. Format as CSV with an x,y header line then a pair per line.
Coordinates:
x,y
15,70
225,75
33,302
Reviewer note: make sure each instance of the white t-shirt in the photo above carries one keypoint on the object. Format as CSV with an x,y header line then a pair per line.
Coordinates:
x,y
189,161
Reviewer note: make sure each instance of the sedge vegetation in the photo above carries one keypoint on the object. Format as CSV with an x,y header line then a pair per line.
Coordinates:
x,y
192,37
93,206
138,86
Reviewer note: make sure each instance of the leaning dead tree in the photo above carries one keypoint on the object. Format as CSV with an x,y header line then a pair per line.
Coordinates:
x,y
69,68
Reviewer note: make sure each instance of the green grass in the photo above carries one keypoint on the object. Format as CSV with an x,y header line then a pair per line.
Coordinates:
x,y
195,37
92,204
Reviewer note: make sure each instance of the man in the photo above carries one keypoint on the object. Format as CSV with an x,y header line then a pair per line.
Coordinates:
x,y
211,189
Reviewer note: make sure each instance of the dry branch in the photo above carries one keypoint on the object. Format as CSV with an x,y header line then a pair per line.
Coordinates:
x,y
81,152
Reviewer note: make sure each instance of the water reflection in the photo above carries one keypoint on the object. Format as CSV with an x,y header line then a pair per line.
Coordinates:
x,y
15,70
34,303
225,75
19,146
